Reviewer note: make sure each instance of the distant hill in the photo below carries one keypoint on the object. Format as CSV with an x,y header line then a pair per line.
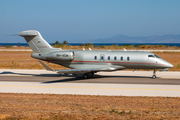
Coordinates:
x,y
150,39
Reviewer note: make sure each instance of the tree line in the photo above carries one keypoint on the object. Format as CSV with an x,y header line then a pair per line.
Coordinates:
x,y
58,43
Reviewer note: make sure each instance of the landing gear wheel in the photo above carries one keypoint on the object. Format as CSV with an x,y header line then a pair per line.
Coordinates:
x,y
88,75
85,76
154,77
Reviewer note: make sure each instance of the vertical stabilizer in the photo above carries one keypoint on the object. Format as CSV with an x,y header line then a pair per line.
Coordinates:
x,y
36,42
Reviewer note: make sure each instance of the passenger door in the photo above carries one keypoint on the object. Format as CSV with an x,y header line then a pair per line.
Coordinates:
x,y
102,58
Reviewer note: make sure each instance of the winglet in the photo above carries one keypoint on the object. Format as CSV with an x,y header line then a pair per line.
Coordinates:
x,y
45,66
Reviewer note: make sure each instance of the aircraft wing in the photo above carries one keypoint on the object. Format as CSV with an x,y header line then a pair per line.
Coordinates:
x,y
75,71
80,71
85,70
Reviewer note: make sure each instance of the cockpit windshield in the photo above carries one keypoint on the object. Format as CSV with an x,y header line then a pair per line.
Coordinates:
x,y
154,56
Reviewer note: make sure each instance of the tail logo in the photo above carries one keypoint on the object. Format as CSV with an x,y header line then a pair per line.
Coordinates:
x,y
42,47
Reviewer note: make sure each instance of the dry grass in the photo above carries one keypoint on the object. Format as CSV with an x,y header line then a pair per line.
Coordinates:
x,y
23,60
38,106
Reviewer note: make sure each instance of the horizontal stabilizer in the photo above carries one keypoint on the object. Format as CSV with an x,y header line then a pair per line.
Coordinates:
x,y
12,34
28,33
25,33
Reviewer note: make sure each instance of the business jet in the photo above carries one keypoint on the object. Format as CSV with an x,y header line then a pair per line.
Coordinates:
x,y
87,62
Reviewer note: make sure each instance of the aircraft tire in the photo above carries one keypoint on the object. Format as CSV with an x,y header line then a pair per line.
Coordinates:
x,y
154,77
85,76
88,75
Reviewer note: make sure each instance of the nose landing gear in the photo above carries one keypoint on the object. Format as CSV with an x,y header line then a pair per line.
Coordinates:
x,y
154,74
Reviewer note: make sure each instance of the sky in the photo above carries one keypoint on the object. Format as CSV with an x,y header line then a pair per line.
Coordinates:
x,y
78,20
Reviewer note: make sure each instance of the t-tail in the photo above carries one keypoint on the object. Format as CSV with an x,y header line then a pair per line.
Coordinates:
x,y
36,42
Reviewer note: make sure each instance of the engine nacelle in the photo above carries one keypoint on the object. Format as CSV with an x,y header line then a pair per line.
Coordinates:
x,y
61,55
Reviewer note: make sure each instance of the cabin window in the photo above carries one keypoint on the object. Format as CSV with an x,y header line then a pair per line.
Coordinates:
x,y
150,55
115,58
108,57
121,58
95,57
128,58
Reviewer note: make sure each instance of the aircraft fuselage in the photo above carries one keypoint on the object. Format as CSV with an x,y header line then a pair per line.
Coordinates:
x,y
95,58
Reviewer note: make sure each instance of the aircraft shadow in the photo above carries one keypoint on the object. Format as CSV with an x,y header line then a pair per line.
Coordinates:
x,y
70,78
59,75
94,78
42,75
64,80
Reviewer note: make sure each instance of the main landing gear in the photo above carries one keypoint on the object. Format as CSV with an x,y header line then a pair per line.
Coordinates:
x,y
88,75
154,74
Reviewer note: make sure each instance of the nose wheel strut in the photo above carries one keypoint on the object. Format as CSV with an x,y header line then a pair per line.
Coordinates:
x,y
154,74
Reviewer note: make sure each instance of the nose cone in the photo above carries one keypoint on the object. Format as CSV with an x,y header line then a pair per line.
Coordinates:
x,y
164,63
169,65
